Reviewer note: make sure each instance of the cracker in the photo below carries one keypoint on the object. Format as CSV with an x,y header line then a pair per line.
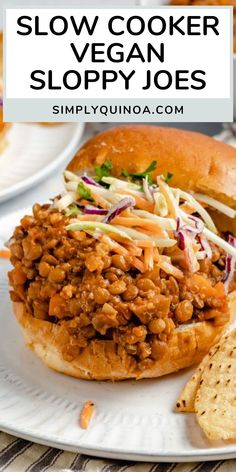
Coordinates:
x,y
186,400
215,402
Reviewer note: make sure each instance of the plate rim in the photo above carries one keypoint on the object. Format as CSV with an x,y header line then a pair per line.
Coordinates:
x,y
66,153
117,453
82,445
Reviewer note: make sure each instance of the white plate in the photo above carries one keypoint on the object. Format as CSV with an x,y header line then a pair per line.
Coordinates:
x,y
35,151
134,420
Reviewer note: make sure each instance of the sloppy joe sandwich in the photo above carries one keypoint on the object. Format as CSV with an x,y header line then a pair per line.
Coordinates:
x,y
126,273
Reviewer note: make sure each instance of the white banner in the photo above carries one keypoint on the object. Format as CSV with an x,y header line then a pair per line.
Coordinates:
x,y
161,53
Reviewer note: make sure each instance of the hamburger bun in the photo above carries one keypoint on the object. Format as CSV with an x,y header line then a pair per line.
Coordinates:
x,y
100,359
198,163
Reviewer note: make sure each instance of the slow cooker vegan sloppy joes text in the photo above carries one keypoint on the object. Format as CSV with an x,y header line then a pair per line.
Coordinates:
x,y
124,267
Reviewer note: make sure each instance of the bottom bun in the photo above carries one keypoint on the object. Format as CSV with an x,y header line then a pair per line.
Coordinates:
x,y
101,360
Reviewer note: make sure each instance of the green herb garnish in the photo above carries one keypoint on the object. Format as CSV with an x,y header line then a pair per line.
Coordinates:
x,y
141,175
168,177
84,192
73,210
104,170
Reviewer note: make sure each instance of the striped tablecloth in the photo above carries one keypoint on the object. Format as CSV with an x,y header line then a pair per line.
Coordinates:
x,y
18,455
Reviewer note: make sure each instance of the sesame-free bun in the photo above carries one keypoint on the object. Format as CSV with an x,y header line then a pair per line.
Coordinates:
x,y
100,360
197,162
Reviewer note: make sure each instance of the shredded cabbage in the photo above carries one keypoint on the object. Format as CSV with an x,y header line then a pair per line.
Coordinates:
x,y
220,242
95,225
71,176
65,201
221,207
192,234
160,242
161,207
116,184
199,209
164,223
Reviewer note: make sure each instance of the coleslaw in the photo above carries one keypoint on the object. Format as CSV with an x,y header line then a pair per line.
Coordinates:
x,y
147,215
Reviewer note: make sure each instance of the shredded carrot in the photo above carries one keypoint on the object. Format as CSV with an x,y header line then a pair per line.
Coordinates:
x,y
126,212
86,414
138,264
138,222
191,259
114,246
187,208
150,233
148,258
140,202
4,254
134,250
100,201
145,243
155,254
118,238
168,196
165,264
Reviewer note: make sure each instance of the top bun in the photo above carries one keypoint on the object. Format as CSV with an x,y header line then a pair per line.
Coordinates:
x,y
197,162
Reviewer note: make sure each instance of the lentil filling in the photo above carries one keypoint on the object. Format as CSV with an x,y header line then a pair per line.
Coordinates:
x,y
75,280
